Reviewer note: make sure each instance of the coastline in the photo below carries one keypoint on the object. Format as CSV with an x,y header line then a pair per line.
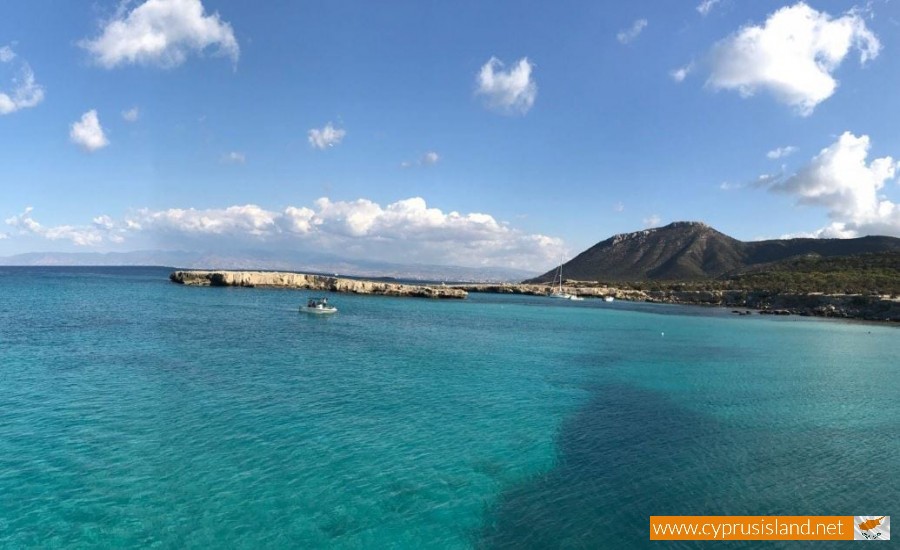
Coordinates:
x,y
838,306
281,279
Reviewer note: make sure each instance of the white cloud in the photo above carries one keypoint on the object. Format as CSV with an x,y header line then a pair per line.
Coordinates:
x,y
406,231
728,186
7,54
131,115
104,222
840,180
652,221
631,33
508,92
428,159
706,6
679,74
329,136
781,152
161,33
765,180
234,157
792,56
403,231
87,132
234,220
25,91
81,236
619,206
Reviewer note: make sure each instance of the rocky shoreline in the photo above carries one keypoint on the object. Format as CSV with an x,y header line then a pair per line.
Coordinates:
x,y
845,306
277,279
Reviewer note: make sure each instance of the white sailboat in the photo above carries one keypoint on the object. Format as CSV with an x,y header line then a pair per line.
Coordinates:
x,y
560,294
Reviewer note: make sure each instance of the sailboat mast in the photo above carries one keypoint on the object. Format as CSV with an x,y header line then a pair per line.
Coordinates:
x,y
560,273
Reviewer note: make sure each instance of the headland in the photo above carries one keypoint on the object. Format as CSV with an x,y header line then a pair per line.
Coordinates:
x,y
280,279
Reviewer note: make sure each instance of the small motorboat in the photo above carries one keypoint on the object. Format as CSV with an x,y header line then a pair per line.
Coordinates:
x,y
608,298
318,306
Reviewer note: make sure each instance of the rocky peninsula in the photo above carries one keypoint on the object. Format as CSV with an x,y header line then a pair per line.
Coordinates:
x,y
848,306
277,279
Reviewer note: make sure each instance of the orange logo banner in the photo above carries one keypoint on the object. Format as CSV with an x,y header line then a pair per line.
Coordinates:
x,y
751,527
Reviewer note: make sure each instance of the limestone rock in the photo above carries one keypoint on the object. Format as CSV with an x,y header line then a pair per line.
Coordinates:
x,y
277,279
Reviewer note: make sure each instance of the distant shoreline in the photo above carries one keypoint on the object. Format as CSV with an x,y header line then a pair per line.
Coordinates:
x,y
281,279
859,307
838,306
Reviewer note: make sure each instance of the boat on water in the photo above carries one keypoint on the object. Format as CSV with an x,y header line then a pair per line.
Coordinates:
x,y
560,294
318,306
608,298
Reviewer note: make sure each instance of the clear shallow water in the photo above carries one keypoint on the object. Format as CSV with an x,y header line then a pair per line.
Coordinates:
x,y
136,412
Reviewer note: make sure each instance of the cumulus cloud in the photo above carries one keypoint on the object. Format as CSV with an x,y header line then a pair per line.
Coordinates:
x,y
102,229
628,35
87,132
509,92
841,180
791,56
131,115
234,220
706,6
161,33
781,152
652,221
23,91
679,74
406,231
329,136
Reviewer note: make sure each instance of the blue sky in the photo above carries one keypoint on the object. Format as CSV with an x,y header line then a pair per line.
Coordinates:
x,y
385,131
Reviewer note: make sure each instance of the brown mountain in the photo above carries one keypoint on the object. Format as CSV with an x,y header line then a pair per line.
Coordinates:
x,y
690,251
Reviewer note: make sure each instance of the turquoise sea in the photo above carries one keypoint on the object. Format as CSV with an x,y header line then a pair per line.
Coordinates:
x,y
139,413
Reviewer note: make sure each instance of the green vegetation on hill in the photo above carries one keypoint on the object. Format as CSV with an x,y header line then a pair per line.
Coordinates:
x,y
861,274
694,256
877,273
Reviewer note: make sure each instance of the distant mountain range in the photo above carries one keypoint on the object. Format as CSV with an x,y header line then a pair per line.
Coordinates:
x,y
264,260
692,251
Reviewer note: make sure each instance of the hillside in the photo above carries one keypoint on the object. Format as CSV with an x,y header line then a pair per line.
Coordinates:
x,y
870,273
693,251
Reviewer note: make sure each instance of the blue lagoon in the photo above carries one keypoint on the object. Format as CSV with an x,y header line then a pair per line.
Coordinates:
x,y
136,412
